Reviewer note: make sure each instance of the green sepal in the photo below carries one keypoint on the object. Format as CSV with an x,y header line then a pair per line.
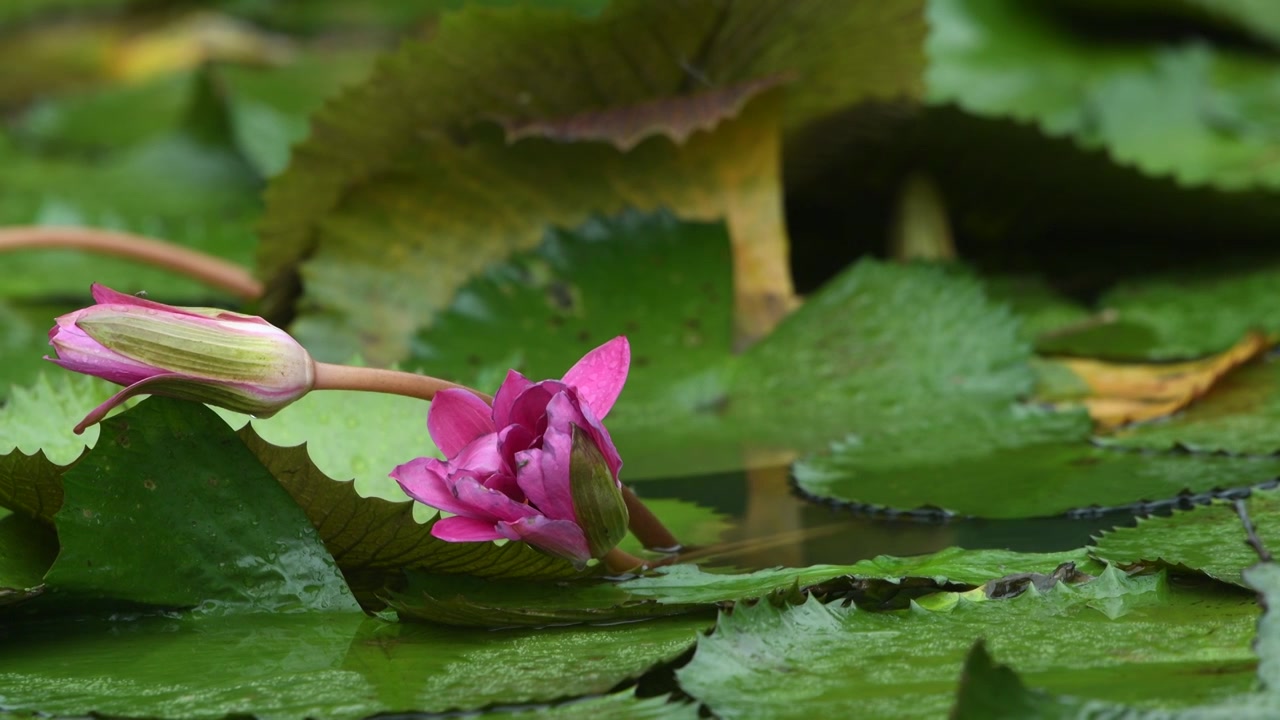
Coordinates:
x,y
597,498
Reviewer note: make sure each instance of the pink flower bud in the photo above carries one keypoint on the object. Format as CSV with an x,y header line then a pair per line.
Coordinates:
x,y
234,361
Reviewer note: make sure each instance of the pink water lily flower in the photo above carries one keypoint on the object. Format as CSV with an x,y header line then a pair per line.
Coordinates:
x,y
239,362
514,470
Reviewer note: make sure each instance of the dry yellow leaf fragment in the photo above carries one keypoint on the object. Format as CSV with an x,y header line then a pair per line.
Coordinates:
x,y
1122,393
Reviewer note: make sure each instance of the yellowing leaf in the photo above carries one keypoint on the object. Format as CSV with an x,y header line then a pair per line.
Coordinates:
x,y
1122,393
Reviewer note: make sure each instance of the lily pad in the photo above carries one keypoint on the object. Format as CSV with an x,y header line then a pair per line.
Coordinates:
x,y
269,107
847,360
1208,539
40,417
289,667
1177,316
1202,115
27,549
375,539
622,706
371,276
207,524
1021,464
681,588
350,435
1125,637
995,692
1239,417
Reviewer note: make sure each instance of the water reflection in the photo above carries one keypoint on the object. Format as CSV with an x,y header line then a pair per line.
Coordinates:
x,y
771,525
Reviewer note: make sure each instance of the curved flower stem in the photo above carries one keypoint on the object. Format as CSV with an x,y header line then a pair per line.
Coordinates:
x,y
621,562
207,269
646,526
393,382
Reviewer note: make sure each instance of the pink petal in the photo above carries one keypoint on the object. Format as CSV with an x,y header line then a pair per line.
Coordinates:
x,y
78,352
463,529
564,411
513,439
600,375
480,457
482,502
557,537
530,408
600,434
456,418
507,485
423,480
506,397
104,295
544,476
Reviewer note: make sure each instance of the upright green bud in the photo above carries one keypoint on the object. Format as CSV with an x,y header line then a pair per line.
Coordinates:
x,y
597,496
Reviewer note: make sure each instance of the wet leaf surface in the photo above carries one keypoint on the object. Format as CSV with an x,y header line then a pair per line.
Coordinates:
x,y
1113,638
681,589
1208,539
208,524
1238,417
1197,113
988,690
284,667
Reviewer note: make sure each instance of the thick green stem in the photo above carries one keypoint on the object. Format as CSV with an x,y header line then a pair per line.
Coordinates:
x,y
212,271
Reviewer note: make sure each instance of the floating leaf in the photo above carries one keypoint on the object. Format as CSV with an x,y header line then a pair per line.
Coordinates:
x,y
1126,634
1019,464
40,418
847,360
618,706
317,665
206,524
681,589
269,107
995,692
27,549
379,538
1204,539
1177,316
1240,416
1123,393
1200,114
358,435
328,217
30,485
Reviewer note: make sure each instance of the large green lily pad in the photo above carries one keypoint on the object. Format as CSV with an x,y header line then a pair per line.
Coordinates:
x,y
1177,316
171,509
848,360
1202,115
1022,463
1112,638
683,588
285,667
1207,539
1239,416
383,215
995,692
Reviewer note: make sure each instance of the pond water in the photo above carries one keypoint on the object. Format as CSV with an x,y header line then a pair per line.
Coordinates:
x,y
772,524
